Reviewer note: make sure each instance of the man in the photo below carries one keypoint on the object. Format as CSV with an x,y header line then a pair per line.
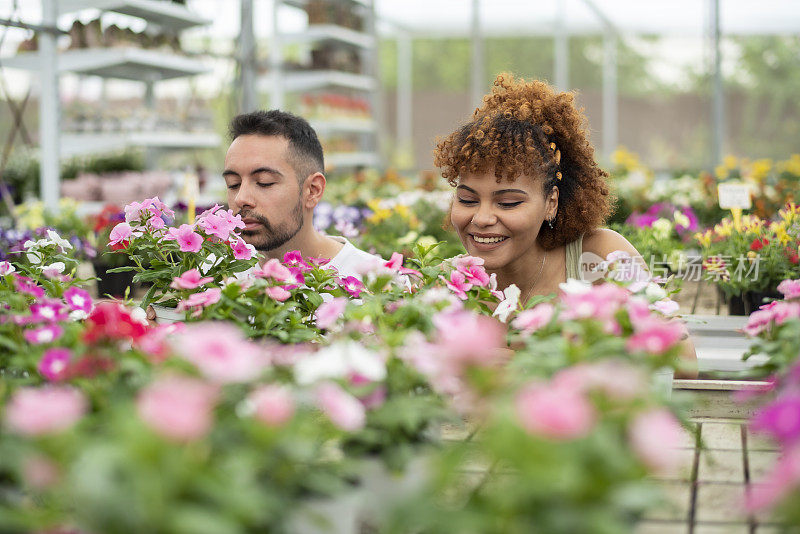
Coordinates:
x,y
274,175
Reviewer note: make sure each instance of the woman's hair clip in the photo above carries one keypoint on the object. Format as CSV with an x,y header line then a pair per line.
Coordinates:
x,y
558,175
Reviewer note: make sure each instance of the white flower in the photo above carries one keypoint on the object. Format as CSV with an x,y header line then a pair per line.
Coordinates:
x,y
34,257
340,360
663,228
210,261
655,292
6,268
509,303
139,315
681,219
78,315
573,286
58,240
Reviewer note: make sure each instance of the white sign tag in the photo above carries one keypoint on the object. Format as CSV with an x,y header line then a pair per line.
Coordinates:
x,y
734,196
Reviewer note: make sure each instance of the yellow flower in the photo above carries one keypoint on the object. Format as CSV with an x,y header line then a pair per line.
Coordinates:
x,y
379,215
721,172
704,238
761,168
781,235
751,255
730,162
403,211
724,228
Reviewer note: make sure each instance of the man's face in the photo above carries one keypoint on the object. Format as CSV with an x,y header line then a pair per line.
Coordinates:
x,y
263,188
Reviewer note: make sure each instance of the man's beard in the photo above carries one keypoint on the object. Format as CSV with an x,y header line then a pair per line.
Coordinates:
x,y
275,237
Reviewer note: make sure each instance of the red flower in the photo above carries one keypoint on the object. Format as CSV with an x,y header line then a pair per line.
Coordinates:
x,y
111,321
91,365
119,246
758,244
793,257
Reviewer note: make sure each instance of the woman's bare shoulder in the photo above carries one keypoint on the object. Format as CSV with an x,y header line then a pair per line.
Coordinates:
x,y
603,241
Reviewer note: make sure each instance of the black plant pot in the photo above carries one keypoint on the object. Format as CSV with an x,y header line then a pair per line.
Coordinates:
x,y
749,301
114,284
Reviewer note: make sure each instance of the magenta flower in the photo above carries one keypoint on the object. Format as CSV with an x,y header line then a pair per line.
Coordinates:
x,y
191,279
780,419
156,223
532,320
655,437
45,410
555,413
655,335
121,232
54,364
778,484
48,311
221,352
273,269
188,240
395,263
43,335
273,405
29,287
177,408
344,410
200,300
458,284
78,299
329,312
278,293
215,225
295,259
242,250
790,289
6,268
352,285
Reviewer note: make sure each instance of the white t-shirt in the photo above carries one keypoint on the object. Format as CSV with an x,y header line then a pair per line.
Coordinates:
x,y
351,261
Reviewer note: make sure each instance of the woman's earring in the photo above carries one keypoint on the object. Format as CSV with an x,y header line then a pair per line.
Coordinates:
x,y
550,223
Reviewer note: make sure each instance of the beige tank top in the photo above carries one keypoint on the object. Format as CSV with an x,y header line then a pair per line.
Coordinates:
x,y
573,252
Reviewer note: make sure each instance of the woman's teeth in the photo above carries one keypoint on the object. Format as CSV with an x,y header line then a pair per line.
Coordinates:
x,y
487,239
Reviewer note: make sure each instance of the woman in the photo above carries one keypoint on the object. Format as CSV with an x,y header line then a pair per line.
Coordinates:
x,y
530,198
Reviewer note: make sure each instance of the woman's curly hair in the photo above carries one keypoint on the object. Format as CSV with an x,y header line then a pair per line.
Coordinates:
x,y
527,129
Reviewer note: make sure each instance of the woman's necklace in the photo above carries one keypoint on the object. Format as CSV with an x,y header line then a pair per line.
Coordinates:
x,y
535,280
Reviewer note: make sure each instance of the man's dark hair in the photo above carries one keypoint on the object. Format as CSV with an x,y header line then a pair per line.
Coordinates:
x,y
305,150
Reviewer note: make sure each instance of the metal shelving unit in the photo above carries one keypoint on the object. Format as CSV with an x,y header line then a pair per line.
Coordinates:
x,y
279,81
127,63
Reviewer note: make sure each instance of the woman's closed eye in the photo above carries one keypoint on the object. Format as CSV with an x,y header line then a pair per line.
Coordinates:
x,y
467,201
510,204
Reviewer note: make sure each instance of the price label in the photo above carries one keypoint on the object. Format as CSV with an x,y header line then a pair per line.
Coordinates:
x,y
733,196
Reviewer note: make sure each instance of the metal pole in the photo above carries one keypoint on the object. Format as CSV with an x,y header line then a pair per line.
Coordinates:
x,y
610,96
370,59
49,175
247,56
477,87
718,102
404,92
561,47
275,60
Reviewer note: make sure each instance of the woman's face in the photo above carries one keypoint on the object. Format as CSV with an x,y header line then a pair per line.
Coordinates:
x,y
499,222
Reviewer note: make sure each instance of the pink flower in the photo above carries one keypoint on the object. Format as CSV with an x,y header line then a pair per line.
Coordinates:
x,y
395,263
215,225
532,320
121,232
48,311
466,338
28,286
191,279
45,410
54,364
278,293
53,270
655,436
778,484
188,240
780,419
221,352
44,334
6,268
329,312
638,309
554,412
133,212
78,299
599,302
790,289
353,286
472,268
39,472
200,300
242,250
156,223
665,307
344,410
458,284
295,259
616,379
655,335
273,269
177,408
154,342
273,405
